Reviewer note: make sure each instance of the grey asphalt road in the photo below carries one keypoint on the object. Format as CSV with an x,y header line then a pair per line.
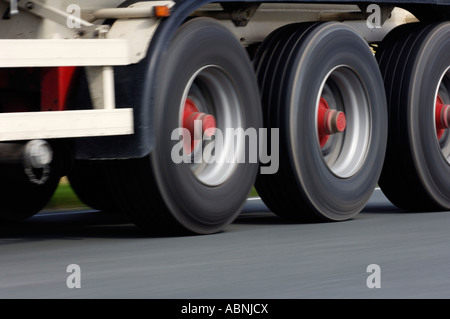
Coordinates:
x,y
258,256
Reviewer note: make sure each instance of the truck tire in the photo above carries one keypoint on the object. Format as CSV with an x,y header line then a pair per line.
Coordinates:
x,y
91,184
21,198
306,72
415,63
205,67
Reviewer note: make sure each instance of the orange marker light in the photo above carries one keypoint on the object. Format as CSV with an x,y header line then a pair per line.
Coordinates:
x,y
162,11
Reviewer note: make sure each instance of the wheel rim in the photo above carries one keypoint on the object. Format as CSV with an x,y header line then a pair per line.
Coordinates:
x,y
343,121
442,114
211,97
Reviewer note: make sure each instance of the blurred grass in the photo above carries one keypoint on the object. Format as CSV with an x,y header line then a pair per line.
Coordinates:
x,y
65,198
253,193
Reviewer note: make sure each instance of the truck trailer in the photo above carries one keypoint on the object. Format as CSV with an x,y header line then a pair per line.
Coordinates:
x,y
334,96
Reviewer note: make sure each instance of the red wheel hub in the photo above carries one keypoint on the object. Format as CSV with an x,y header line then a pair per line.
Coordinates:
x,y
192,114
329,122
442,117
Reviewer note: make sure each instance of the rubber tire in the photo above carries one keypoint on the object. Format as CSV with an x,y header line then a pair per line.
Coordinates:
x,y
166,198
22,199
415,175
291,65
90,182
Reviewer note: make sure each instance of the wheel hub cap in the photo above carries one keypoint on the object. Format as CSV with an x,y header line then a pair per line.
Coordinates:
x,y
442,117
192,114
330,122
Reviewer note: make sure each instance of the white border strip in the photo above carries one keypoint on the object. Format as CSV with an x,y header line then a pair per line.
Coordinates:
x,y
65,52
65,124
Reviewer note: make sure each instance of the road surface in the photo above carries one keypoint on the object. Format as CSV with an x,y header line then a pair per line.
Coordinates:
x,y
258,256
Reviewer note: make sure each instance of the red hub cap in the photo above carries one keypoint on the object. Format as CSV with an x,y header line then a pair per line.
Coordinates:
x,y
329,122
192,114
442,117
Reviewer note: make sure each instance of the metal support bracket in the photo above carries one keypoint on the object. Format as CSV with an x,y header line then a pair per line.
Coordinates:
x,y
239,13
13,7
46,11
101,87
94,32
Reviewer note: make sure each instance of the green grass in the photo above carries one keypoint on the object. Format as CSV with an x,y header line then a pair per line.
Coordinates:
x,y
253,193
65,198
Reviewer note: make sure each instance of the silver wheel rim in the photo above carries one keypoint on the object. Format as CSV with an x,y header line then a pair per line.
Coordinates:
x,y
345,152
214,93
